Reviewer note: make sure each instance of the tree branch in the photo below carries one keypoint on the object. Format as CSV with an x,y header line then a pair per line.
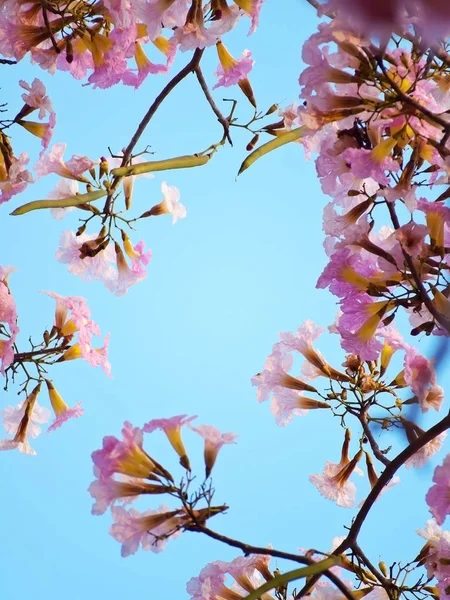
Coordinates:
x,y
373,444
383,480
222,120
189,68
249,549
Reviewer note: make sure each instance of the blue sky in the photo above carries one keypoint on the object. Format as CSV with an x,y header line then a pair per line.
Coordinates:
x,y
221,285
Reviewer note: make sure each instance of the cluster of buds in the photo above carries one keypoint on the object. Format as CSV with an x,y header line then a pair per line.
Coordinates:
x,y
124,471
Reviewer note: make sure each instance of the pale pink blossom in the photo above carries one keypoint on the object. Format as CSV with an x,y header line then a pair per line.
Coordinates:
x,y
270,377
18,178
214,440
171,201
106,490
237,70
411,237
438,496
330,486
125,276
172,429
151,529
20,439
420,375
53,163
37,97
12,415
64,415
126,456
364,164
89,268
64,189
422,456
72,315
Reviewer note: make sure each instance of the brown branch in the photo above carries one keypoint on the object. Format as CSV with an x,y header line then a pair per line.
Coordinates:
x,y
373,443
222,120
249,549
439,317
387,475
47,25
25,356
383,480
385,582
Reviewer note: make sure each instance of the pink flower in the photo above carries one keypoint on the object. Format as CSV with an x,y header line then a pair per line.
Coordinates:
x,y
62,412
127,456
438,496
214,440
275,368
411,237
170,204
382,19
53,163
8,311
334,484
7,352
151,529
210,583
89,268
12,416
287,404
17,178
252,8
64,189
72,315
368,163
106,491
37,97
20,439
421,377
172,428
422,456
125,277
230,70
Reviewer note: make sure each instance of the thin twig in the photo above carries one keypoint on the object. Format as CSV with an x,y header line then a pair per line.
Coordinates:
x,y
222,120
189,68
373,444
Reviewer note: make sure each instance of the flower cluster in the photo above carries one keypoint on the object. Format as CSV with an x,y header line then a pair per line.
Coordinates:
x,y
124,471
14,176
364,390
116,42
70,337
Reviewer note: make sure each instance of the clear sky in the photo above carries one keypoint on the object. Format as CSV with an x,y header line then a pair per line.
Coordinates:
x,y
221,285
